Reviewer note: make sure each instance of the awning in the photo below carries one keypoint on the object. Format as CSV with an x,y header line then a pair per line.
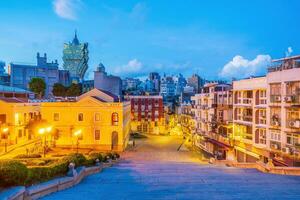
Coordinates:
x,y
247,152
280,163
220,144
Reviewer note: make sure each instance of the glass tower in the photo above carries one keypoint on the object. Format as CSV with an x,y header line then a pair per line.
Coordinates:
x,y
75,58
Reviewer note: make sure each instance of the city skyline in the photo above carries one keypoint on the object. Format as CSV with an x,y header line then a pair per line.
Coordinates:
x,y
137,37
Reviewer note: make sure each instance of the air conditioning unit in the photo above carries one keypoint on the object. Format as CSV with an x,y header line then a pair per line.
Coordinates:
x,y
278,98
286,150
275,123
274,146
294,124
288,99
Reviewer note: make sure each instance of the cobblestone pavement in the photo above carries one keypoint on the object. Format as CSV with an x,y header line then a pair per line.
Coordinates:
x,y
156,170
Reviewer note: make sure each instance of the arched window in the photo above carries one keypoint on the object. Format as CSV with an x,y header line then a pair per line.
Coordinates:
x,y
115,119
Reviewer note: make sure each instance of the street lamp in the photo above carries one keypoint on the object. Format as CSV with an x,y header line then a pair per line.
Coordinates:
x,y
5,131
77,134
43,132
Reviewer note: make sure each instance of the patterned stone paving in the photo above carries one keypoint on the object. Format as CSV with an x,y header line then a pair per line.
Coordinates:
x,y
156,170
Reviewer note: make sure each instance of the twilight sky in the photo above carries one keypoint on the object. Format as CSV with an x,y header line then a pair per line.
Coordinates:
x,y
217,39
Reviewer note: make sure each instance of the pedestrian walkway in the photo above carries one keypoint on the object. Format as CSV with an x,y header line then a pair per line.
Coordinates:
x,y
156,170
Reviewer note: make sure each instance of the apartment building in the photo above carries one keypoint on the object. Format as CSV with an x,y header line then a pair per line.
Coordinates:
x,y
147,114
250,119
283,111
186,119
213,117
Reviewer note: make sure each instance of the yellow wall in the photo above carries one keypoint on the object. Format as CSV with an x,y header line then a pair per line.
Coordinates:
x,y
68,122
16,121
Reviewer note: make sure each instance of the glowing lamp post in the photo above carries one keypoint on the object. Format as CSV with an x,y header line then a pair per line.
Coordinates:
x,y
43,132
5,133
77,134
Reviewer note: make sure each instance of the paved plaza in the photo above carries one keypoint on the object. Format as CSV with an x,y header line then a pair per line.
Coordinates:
x,y
156,170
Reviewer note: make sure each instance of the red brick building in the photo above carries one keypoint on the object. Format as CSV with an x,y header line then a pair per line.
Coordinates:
x,y
147,114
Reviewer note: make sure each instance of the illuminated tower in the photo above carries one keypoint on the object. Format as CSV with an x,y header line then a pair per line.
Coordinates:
x,y
75,58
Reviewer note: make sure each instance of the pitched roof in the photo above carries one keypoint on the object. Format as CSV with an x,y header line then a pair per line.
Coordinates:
x,y
100,94
115,97
99,99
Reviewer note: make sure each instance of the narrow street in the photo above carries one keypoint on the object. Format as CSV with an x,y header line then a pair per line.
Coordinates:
x,y
156,170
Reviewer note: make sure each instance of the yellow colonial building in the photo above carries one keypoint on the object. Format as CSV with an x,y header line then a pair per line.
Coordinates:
x,y
96,120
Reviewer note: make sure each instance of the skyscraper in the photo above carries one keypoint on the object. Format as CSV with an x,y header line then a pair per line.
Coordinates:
x,y
75,58
155,78
196,82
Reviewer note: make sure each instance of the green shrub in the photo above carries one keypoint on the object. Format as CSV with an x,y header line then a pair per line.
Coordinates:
x,y
12,173
77,158
21,156
109,155
115,156
89,162
41,174
96,156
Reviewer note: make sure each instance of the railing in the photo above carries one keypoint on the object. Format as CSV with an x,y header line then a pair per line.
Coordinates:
x,y
293,99
247,118
293,123
247,100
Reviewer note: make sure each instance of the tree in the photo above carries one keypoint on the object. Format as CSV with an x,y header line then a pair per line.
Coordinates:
x,y
74,90
38,86
59,90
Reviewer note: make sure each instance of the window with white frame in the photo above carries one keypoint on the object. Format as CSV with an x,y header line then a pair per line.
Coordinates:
x,y
262,136
275,136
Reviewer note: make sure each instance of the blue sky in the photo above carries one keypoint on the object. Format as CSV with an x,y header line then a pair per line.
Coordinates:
x,y
217,39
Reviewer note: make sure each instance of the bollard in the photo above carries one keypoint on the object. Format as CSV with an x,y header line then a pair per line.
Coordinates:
x,y
72,171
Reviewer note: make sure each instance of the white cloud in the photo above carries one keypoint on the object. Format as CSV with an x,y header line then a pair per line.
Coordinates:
x,y
133,66
289,52
66,9
240,67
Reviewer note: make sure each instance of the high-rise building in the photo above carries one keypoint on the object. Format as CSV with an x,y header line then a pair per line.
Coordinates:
x,y
180,83
106,82
4,77
75,58
196,82
213,117
130,84
155,78
21,74
283,111
167,88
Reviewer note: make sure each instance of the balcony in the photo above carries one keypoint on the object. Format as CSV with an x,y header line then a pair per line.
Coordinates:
x,y
247,118
293,123
276,123
292,99
247,101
